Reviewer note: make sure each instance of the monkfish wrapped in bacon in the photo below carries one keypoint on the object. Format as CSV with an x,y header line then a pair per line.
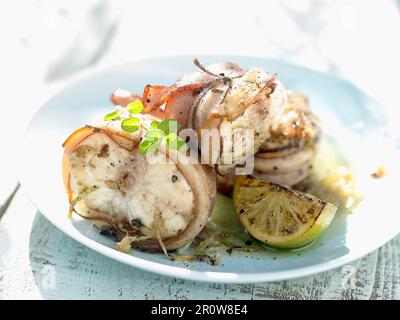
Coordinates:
x,y
233,102
286,156
153,205
226,99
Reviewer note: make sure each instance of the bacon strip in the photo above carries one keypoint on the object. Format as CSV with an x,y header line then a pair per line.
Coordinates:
x,y
201,180
154,97
177,101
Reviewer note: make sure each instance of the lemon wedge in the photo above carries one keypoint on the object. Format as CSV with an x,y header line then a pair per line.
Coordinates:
x,y
278,216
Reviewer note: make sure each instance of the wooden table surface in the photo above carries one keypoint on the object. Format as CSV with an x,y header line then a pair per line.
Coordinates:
x,y
37,261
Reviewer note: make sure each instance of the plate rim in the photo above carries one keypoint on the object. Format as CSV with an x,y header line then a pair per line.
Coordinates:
x,y
183,272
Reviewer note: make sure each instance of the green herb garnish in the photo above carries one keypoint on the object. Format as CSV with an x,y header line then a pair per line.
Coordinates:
x,y
155,124
151,141
130,124
145,145
169,126
175,142
112,116
155,134
135,107
166,132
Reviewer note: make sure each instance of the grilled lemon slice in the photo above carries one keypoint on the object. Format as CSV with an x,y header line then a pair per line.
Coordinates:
x,y
278,216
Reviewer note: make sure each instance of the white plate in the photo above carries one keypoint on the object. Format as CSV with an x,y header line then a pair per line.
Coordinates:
x,y
355,121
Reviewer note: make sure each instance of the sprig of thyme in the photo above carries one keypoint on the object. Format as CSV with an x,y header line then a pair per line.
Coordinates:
x,y
220,78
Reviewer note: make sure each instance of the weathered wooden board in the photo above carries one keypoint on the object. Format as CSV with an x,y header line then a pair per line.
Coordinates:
x,y
38,261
